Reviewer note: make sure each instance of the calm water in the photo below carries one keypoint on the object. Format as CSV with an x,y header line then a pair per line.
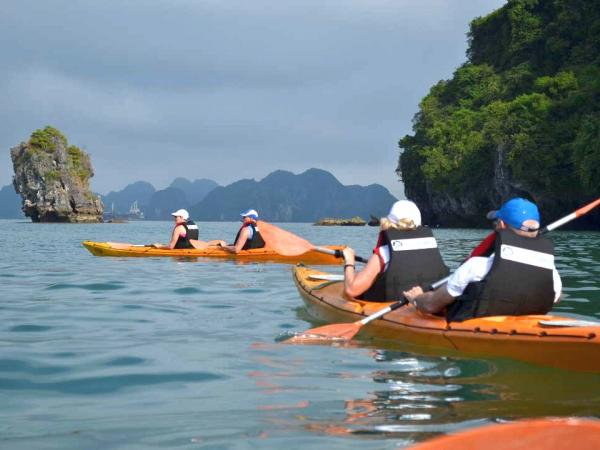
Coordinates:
x,y
160,353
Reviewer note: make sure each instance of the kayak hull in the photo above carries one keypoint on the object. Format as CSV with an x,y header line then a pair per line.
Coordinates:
x,y
519,337
534,434
254,255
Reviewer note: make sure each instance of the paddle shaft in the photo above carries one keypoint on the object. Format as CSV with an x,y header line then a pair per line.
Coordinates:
x,y
553,226
339,254
574,215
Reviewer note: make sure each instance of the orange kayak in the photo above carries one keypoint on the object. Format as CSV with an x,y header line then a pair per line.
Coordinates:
x,y
536,434
547,340
254,255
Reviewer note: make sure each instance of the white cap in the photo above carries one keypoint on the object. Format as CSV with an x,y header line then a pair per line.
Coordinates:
x,y
181,213
250,213
405,209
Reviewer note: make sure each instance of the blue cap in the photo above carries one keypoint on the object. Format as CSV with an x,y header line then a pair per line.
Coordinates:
x,y
250,213
516,211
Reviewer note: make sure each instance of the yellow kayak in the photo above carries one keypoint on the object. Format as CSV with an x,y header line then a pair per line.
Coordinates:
x,y
254,255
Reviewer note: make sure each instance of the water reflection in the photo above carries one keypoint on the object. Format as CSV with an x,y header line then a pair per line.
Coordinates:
x,y
412,397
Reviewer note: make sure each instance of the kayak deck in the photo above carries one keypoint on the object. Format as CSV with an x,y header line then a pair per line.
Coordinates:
x,y
527,338
254,255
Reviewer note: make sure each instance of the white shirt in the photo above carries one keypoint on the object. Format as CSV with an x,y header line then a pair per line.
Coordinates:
x,y
476,268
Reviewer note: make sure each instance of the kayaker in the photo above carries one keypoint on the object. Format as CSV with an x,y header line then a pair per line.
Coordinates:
x,y
248,237
185,233
406,254
519,279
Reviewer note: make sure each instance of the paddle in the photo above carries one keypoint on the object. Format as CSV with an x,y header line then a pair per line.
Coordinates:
x,y
289,244
348,330
124,246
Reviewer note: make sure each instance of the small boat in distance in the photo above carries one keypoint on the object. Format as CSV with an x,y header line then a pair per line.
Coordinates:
x,y
135,213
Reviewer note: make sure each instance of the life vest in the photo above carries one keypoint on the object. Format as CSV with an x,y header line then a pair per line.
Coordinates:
x,y
192,230
184,242
519,282
415,260
253,241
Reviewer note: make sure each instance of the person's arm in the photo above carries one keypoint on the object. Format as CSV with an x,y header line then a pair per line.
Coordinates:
x,y
176,232
430,302
174,238
474,269
239,244
357,283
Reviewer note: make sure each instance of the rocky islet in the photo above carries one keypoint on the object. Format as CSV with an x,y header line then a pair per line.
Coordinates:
x,y
52,178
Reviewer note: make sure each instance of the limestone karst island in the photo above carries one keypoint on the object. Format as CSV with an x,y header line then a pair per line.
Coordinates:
x,y
52,178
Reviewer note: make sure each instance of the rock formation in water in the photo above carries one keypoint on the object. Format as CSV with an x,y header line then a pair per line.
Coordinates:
x,y
520,118
53,179
356,221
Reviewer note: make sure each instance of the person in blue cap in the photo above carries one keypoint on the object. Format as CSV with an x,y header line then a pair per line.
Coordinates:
x,y
248,237
519,278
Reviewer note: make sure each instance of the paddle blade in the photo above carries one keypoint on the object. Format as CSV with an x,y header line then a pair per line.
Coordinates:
x,y
282,241
581,211
334,332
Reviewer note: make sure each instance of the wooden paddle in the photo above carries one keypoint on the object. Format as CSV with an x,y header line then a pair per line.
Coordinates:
x,y
348,330
289,244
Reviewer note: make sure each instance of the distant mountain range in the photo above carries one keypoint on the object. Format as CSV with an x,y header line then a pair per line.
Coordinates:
x,y
280,197
284,197
10,203
158,205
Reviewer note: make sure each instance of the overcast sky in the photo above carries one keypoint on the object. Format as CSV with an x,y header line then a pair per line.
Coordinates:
x,y
226,89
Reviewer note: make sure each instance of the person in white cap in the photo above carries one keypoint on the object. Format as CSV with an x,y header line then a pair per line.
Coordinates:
x,y
185,233
248,237
406,254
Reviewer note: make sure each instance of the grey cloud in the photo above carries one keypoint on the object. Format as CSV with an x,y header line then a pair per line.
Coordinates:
x,y
226,89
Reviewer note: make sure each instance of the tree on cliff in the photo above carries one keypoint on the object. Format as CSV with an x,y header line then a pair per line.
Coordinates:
x,y
520,117
53,179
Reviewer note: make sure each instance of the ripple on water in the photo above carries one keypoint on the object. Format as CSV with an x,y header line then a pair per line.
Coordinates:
x,y
108,286
125,361
21,366
26,328
106,384
188,290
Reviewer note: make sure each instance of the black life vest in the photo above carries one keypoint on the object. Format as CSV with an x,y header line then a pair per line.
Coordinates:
x,y
415,260
255,241
192,230
184,242
519,282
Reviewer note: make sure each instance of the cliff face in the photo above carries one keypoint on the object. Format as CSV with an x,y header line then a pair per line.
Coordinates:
x,y
520,118
53,179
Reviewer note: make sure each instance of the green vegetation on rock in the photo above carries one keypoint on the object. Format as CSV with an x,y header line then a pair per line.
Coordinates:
x,y
47,141
528,99
79,163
